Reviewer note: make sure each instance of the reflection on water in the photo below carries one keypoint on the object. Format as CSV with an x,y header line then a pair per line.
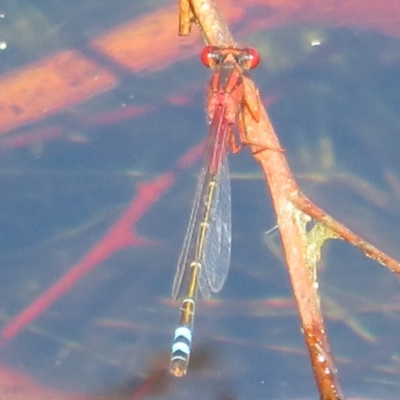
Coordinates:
x,y
335,111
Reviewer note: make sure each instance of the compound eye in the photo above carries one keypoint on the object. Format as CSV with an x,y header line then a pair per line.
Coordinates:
x,y
207,56
253,57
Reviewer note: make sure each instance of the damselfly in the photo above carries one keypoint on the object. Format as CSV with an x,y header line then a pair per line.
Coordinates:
x,y
205,256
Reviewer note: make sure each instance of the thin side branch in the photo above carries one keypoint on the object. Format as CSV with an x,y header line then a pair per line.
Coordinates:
x,y
342,232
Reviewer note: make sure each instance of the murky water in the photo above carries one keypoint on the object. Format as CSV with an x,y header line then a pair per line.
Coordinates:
x,y
332,95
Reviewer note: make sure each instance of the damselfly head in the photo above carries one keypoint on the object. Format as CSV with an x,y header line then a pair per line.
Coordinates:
x,y
251,57
246,58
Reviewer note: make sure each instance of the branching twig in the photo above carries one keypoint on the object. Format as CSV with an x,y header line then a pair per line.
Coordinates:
x,y
293,209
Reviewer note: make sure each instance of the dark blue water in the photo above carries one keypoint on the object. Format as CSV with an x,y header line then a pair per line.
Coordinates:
x,y
335,108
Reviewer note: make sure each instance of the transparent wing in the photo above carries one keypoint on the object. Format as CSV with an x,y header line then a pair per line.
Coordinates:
x,y
208,236
189,242
217,247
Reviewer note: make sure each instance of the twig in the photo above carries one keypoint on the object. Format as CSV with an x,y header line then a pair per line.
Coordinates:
x,y
293,209
205,13
292,224
342,232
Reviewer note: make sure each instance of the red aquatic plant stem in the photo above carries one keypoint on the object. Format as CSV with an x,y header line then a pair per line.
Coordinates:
x,y
119,236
